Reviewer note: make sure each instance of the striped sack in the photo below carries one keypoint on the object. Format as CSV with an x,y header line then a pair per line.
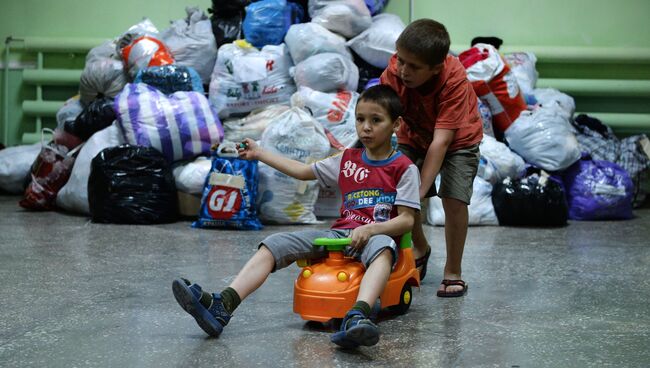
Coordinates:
x,y
181,125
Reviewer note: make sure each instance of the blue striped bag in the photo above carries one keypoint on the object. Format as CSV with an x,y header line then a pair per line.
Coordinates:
x,y
181,125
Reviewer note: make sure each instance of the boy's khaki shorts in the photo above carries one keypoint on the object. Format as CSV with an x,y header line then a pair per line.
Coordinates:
x,y
456,174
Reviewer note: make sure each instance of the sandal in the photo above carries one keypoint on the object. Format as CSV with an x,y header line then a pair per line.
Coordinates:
x,y
452,294
422,262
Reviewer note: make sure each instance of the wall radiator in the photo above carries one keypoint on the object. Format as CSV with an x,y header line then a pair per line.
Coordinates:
x,y
631,87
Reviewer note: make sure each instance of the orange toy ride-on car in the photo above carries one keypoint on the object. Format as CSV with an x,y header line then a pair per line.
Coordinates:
x,y
327,289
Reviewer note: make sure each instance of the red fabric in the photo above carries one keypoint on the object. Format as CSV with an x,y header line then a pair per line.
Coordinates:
x,y
49,173
161,57
472,56
447,101
364,186
505,110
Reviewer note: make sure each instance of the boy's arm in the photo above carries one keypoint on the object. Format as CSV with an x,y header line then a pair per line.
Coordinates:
x,y
396,226
442,138
296,169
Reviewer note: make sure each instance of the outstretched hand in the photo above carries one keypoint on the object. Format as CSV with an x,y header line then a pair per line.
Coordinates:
x,y
248,149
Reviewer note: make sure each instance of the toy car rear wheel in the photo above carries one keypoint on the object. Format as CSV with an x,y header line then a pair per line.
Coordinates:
x,y
404,300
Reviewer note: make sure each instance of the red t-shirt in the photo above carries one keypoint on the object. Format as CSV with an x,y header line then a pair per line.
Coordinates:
x,y
447,101
371,189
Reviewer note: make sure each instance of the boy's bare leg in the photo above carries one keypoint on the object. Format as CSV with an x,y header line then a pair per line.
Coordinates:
x,y
420,243
456,220
375,279
254,273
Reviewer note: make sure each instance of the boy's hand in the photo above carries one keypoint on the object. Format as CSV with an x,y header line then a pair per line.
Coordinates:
x,y
248,149
360,237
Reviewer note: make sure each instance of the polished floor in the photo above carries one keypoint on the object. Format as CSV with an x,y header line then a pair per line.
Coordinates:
x,y
79,294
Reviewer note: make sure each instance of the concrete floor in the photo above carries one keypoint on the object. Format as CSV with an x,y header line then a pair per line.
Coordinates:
x,y
78,294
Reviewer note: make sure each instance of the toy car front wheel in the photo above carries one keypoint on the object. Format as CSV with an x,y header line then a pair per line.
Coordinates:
x,y
404,300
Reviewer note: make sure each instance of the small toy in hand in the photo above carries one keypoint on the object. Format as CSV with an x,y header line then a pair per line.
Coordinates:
x,y
243,145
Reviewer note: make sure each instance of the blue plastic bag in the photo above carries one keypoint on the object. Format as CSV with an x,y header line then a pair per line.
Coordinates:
x,y
171,78
267,21
376,6
598,190
230,191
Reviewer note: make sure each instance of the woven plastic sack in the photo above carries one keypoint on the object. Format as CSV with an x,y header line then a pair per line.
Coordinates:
x,y
327,72
192,42
229,197
494,84
283,199
345,17
245,79
598,190
376,44
181,126
307,39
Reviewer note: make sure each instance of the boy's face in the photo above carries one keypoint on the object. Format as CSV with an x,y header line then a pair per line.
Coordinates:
x,y
414,72
374,125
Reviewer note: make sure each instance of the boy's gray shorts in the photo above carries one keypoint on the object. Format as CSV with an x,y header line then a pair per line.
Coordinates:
x,y
290,247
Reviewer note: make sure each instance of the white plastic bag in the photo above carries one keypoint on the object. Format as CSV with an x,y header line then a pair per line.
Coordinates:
x,y
192,42
253,125
522,65
544,138
498,161
74,194
327,72
245,79
190,177
376,44
283,199
481,210
307,39
552,98
486,117
334,111
15,165
103,73
345,17
68,112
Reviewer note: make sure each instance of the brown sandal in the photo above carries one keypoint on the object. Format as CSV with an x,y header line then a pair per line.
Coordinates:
x,y
452,294
422,262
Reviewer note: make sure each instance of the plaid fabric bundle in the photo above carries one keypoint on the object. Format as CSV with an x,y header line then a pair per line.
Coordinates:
x,y
601,143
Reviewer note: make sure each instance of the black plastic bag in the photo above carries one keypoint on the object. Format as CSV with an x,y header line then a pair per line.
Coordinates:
x,y
98,115
227,17
366,71
531,201
132,185
171,78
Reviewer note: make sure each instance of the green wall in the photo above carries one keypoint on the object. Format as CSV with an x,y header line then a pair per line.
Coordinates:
x,y
599,23
621,23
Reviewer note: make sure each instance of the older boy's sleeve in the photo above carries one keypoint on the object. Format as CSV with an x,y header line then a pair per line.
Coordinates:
x,y
327,171
408,189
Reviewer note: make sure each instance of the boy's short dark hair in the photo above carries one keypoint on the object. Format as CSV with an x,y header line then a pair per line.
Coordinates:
x,y
426,39
384,96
